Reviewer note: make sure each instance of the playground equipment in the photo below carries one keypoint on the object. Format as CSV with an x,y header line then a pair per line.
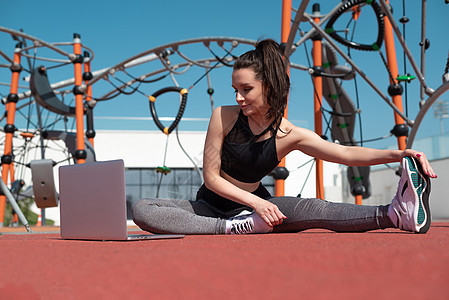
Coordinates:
x,y
166,64
386,25
44,96
78,145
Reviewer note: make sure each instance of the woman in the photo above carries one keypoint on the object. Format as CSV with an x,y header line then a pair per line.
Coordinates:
x,y
245,142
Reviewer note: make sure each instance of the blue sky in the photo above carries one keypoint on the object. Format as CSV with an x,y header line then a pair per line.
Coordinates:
x,y
117,30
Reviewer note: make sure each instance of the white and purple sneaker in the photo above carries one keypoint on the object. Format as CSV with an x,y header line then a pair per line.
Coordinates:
x,y
247,223
410,208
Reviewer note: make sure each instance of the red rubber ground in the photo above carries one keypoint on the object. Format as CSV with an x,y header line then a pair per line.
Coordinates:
x,y
314,264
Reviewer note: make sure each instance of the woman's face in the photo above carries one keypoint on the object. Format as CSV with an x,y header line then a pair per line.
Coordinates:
x,y
249,92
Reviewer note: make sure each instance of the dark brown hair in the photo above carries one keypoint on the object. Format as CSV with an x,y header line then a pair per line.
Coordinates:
x,y
271,68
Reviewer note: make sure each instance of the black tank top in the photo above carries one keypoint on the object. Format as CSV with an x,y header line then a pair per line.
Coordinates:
x,y
245,159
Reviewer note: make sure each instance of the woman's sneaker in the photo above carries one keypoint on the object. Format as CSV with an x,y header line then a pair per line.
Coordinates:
x,y
410,208
244,224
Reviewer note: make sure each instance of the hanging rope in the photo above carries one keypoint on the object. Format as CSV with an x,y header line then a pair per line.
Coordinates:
x,y
404,20
146,81
367,141
220,60
210,91
121,91
393,80
307,177
164,170
29,107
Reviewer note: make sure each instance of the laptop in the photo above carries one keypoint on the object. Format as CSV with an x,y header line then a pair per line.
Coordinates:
x,y
93,204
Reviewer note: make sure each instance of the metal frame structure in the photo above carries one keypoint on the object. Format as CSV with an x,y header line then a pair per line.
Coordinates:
x,y
396,102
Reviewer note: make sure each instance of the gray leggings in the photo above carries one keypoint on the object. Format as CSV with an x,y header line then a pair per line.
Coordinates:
x,y
199,217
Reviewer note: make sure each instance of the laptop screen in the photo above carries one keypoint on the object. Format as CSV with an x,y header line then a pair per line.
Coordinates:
x,y
92,201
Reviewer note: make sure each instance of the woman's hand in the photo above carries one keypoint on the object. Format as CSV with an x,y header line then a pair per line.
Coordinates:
x,y
421,157
269,212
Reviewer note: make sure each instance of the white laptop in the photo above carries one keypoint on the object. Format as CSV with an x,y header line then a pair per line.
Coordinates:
x,y
93,203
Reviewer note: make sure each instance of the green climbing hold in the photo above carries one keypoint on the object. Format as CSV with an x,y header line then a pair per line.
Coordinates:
x,y
407,77
343,125
375,47
357,179
164,170
329,29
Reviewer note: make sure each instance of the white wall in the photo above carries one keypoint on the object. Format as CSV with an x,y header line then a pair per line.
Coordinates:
x,y
146,148
300,182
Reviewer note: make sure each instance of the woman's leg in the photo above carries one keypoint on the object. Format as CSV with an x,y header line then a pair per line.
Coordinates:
x,y
305,214
409,209
176,216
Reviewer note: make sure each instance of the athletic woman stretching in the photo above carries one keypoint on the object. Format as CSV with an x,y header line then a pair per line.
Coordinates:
x,y
245,142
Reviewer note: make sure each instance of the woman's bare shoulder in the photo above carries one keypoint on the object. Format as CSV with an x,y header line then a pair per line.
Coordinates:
x,y
227,114
224,117
292,133
228,109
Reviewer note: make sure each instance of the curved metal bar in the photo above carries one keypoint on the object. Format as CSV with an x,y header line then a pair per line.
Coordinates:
x,y
299,67
159,49
152,74
71,44
46,59
190,60
32,38
298,18
6,57
20,86
422,112
171,70
137,59
37,43
221,45
71,81
92,55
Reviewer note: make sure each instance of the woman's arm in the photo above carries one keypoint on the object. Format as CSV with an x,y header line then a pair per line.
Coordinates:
x,y
221,119
310,143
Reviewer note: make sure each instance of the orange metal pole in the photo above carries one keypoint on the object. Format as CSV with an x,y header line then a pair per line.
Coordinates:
x,y
10,128
279,185
12,173
286,20
393,66
87,70
358,199
317,96
80,154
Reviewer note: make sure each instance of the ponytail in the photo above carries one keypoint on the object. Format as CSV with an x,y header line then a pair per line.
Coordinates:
x,y
268,63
